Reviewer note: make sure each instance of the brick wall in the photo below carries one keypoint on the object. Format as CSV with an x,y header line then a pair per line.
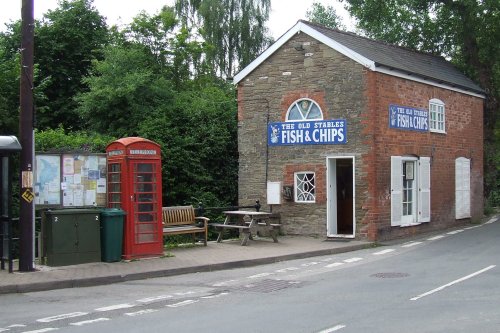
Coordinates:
x,y
346,90
463,138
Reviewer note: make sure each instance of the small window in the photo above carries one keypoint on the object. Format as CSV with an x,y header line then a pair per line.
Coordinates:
x,y
304,109
437,116
305,188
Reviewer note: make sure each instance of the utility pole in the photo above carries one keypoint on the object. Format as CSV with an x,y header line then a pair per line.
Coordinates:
x,y
26,128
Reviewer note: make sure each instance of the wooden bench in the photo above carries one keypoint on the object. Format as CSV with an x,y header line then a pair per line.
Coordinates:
x,y
178,220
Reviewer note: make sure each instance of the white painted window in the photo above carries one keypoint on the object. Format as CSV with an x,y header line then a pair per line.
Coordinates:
x,y
437,116
304,109
462,188
305,187
410,190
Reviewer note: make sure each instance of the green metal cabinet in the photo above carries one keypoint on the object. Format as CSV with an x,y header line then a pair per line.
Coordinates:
x,y
71,236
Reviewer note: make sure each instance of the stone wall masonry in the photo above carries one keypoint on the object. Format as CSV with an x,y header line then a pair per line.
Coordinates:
x,y
331,80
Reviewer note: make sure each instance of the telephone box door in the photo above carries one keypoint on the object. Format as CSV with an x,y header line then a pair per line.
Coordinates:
x,y
145,202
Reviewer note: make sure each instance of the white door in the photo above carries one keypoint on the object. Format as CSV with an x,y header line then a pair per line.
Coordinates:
x,y
462,188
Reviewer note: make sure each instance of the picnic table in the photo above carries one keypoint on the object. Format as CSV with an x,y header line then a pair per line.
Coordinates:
x,y
235,219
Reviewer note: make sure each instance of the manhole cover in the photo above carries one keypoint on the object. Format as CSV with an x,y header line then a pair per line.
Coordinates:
x,y
267,286
390,275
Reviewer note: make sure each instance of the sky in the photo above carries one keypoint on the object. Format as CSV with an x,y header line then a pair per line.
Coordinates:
x,y
284,13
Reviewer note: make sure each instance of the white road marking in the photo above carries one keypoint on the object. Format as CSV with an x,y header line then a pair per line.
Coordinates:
x,y
350,260
383,252
327,259
307,264
115,307
141,312
335,264
259,275
411,244
283,270
62,316
436,237
184,303
333,329
223,283
452,283
16,325
454,232
92,321
493,219
214,296
184,293
43,330
154,298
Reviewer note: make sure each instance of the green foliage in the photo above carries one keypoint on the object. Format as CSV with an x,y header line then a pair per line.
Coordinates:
x,y
466,31
234,29
126,90
67,40
198,138
326,16
60,140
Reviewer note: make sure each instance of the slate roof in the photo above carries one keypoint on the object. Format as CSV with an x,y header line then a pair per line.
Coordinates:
x,y
409,61
378,56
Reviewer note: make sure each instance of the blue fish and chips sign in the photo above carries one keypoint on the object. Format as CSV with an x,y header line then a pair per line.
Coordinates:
x,y
321,132
407,118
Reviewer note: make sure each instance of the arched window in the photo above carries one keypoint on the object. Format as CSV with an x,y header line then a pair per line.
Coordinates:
x,y
304,109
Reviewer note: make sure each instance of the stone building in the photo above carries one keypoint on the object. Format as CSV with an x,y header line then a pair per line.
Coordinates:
x,y
348,137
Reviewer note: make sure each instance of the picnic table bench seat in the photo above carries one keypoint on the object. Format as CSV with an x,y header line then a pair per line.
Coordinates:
x,y
179,220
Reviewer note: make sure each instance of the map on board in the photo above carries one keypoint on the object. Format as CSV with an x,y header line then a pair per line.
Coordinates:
x,y
70,180
48,179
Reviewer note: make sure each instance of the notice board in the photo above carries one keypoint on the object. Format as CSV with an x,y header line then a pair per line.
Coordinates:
x,y
70,180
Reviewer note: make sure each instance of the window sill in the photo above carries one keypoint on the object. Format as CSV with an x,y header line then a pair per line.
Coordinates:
x,y
409,224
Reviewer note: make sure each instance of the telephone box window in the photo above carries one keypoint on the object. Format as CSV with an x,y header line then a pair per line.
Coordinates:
x,y
304,109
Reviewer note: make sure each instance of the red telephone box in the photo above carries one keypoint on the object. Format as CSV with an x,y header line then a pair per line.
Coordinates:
x,y
134,185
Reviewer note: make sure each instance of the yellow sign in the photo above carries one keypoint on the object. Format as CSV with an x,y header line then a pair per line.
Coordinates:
x,y
28,195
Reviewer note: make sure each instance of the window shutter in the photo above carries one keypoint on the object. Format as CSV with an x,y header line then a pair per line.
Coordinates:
x,y
424,189
396,190
462,188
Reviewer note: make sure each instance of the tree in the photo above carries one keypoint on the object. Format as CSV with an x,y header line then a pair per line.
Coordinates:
x,y
126,89
234,29
67,40
466,31
198,137
324,16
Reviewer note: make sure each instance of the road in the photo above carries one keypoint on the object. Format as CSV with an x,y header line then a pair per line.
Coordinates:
x,y
449,282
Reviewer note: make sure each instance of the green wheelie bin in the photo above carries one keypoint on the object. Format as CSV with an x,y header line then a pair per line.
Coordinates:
x,y
112,220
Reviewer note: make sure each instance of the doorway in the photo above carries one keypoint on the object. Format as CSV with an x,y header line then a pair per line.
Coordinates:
x,y
340,197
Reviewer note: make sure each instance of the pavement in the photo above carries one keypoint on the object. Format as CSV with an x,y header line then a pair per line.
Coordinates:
x,y
228,254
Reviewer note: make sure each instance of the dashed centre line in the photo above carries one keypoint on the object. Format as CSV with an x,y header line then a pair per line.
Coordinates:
x,y
141,312
383,252
436,237
335,264
184,303
92,321
62,316
332,329
115,307
350,260
411,244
